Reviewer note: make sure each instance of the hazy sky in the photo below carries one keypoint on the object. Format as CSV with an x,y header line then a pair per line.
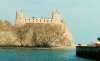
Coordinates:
x,y
83,16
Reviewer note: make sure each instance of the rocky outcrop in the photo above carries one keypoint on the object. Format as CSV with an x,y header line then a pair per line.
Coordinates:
x,y
35,35
8,36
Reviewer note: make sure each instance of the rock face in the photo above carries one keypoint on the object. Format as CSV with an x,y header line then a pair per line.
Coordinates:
x,y
35,35
8,36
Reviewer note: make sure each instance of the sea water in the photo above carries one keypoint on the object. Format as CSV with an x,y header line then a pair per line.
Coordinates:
x,y
39,55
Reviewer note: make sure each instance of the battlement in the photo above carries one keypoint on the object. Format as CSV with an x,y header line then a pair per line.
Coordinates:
x,y
21,20
38,20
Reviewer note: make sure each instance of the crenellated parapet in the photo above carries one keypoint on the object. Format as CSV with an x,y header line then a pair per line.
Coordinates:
x,y
21,20
38,20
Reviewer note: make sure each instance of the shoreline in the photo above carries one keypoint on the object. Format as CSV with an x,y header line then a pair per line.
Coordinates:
x,y
37,48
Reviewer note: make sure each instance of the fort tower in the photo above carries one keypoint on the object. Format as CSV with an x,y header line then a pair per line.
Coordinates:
x,y
19,18
56,17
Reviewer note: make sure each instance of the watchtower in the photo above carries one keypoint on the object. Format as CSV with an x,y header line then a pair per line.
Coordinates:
x,y
20,18
56,17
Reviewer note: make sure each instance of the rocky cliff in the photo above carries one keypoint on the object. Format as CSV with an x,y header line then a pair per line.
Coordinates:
x,y
35,35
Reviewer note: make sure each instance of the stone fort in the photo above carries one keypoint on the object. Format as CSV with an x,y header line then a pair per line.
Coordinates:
x,y
21,20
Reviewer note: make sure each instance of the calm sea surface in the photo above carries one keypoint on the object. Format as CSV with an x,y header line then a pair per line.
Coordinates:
x,y
39,55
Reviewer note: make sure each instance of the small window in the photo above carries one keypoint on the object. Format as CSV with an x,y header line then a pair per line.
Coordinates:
x,y
61,21
51,20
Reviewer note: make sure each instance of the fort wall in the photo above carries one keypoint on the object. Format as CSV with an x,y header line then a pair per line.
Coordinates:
x,y
21,20
38,20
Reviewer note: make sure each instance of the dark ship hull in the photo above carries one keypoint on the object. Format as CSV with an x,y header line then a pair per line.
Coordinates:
x,y
88,51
